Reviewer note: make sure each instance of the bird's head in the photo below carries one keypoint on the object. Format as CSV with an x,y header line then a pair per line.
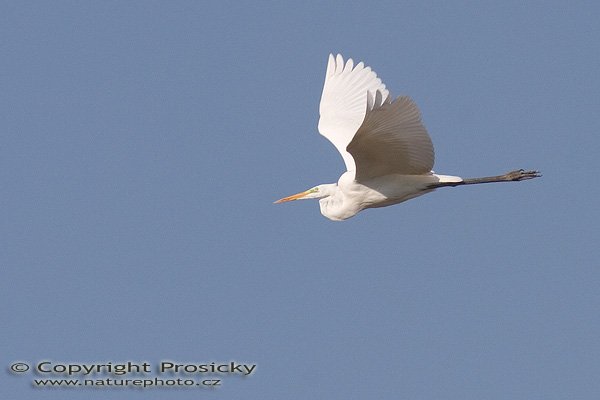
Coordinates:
x,y
317,192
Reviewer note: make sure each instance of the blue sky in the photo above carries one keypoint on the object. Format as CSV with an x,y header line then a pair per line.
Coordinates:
x,y
143,144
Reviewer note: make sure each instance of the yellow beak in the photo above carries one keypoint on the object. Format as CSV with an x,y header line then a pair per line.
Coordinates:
x,y
293,197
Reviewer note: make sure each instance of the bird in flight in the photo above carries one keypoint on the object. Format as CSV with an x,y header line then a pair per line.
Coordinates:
x,y
386,149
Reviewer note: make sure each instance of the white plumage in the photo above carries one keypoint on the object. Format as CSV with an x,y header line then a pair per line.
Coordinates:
x,y
386,149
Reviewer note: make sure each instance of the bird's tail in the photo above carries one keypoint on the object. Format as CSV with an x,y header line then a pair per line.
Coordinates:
x,y
448,178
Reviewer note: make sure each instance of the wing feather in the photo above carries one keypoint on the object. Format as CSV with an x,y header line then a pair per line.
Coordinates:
x,y
391,139
344,102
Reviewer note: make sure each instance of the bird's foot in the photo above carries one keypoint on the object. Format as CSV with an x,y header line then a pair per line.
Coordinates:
x,y
521,175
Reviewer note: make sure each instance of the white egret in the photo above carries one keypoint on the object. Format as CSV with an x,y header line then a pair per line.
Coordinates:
x,y
386,149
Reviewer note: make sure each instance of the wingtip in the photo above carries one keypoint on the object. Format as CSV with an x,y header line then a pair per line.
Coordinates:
x,y
330,65
339,64
349,65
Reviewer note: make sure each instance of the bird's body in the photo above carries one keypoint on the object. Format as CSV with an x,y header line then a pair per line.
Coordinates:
x,y
386,149
349,196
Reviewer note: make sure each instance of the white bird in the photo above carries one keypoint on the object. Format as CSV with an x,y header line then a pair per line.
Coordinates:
x,y
386,149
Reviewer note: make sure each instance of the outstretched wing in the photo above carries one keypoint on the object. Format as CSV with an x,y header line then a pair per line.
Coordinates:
x,y
391,139
344,102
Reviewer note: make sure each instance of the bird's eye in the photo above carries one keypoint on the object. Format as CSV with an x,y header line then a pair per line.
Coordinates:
x,y
315,189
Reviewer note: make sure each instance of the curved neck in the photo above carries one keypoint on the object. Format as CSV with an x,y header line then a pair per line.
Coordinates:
x,y
336,206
